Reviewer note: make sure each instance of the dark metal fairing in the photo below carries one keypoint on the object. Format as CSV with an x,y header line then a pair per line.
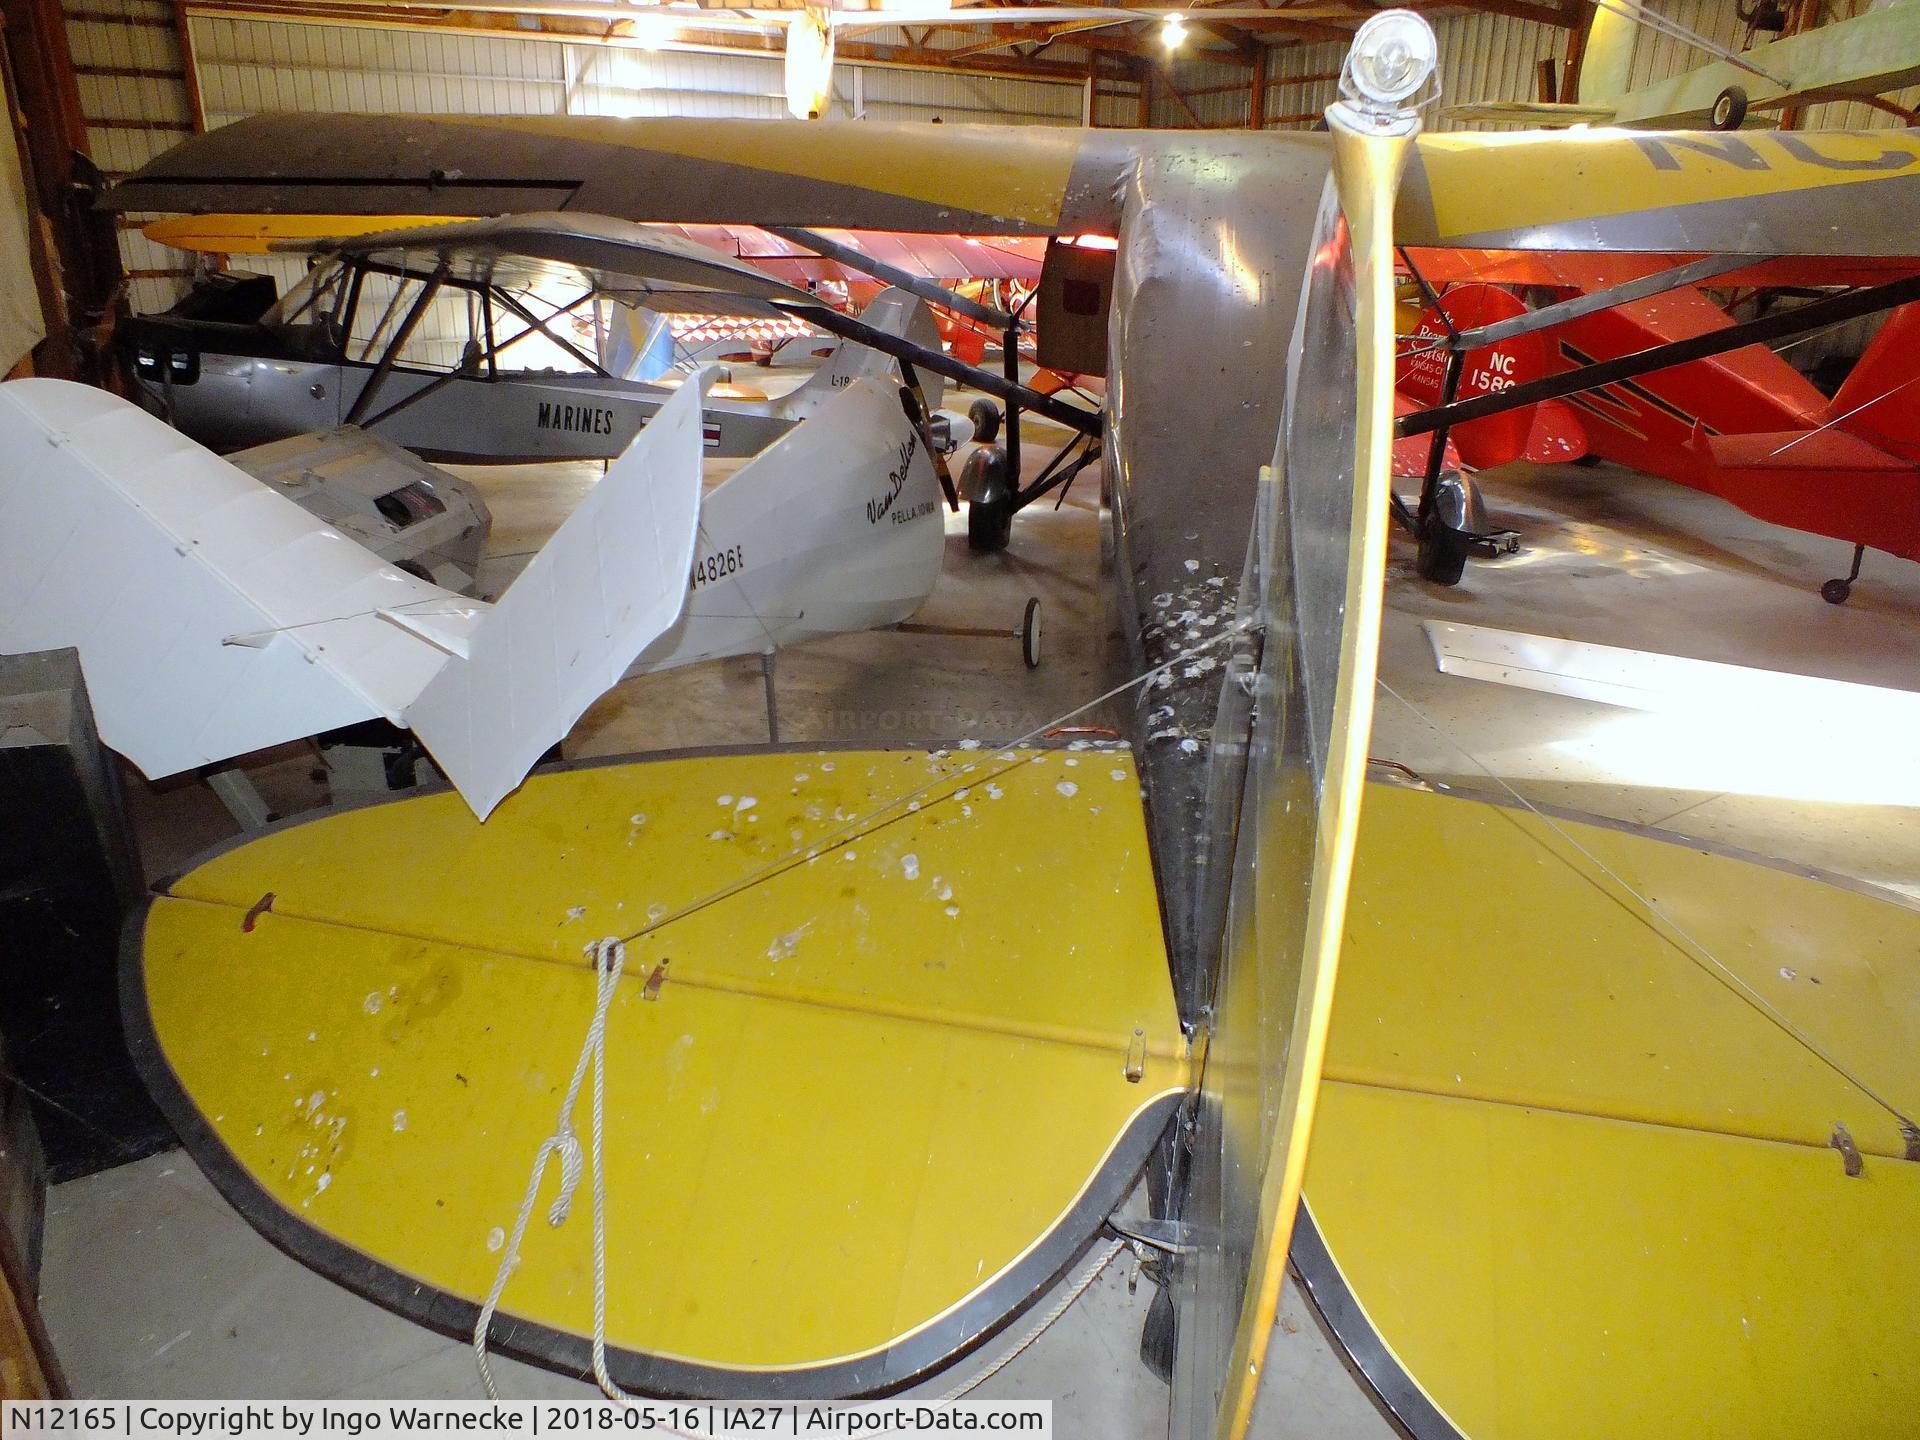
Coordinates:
x,y
1212,246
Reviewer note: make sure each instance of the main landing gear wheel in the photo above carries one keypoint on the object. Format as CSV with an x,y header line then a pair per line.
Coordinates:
x,y
990,499
1442,554
986,420
1729,109
1030,634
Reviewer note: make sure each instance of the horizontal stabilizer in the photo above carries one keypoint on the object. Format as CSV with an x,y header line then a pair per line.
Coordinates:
x,y
611,581
212,616
893,312
446,625
1661,684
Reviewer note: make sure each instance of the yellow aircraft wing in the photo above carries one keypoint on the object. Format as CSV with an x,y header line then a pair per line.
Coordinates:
x,y
1257,1081
1650,191
260,234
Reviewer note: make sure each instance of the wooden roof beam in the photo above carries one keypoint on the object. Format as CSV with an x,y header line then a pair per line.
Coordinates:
x,y
1249,50
1174,90
1561,17
494,23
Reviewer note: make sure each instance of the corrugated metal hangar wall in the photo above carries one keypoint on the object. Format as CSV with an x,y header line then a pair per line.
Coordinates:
x,y
251,65
146,82
1482,57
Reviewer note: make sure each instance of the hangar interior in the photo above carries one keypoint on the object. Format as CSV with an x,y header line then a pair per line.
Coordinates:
x,y
1632,671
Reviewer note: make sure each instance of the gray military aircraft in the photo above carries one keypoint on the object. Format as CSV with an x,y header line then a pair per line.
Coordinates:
x,y
235,364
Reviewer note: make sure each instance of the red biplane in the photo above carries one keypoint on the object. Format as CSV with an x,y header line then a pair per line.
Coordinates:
x,y
1631,359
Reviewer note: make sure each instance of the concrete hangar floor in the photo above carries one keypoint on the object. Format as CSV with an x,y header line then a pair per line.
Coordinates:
x,y
153,1286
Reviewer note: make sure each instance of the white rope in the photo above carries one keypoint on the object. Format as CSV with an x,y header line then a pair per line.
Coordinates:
x,y
1061,1306
609,958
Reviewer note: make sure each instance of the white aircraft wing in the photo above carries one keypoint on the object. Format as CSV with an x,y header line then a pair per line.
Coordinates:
x,y
212,615
610,582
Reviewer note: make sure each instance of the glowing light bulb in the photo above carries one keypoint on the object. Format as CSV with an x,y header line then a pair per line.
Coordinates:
x,y
1173,32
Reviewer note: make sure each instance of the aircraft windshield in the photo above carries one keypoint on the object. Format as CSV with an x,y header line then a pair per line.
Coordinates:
x,y
523,328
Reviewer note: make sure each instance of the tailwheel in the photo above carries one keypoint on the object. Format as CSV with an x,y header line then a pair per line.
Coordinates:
x,y
1030,634
1835,592
1729,109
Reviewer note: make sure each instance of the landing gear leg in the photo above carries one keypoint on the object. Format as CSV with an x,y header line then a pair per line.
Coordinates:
x,y
1835,592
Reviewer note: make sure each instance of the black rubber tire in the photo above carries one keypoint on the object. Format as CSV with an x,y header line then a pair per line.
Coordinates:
x,y
990,524
985,416
1156,1335
1729,109
1835,592
1442,556
990,499
1030,633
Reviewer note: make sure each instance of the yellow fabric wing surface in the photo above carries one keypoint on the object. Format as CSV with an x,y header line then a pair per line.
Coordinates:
x,y
1581,1186
859,1092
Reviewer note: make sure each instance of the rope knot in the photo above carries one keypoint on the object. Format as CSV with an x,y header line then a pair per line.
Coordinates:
x,y
566,1145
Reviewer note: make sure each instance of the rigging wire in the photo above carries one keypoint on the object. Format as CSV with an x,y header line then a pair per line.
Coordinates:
x,y
608,958
864,824
1695,950
1642,14
1829,424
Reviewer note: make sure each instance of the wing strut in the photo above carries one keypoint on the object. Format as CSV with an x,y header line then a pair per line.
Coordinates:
x,y
1815,316
1009,392
928,290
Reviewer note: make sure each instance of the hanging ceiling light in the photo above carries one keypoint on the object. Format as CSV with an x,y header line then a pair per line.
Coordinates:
x,y
809,64
1173,32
